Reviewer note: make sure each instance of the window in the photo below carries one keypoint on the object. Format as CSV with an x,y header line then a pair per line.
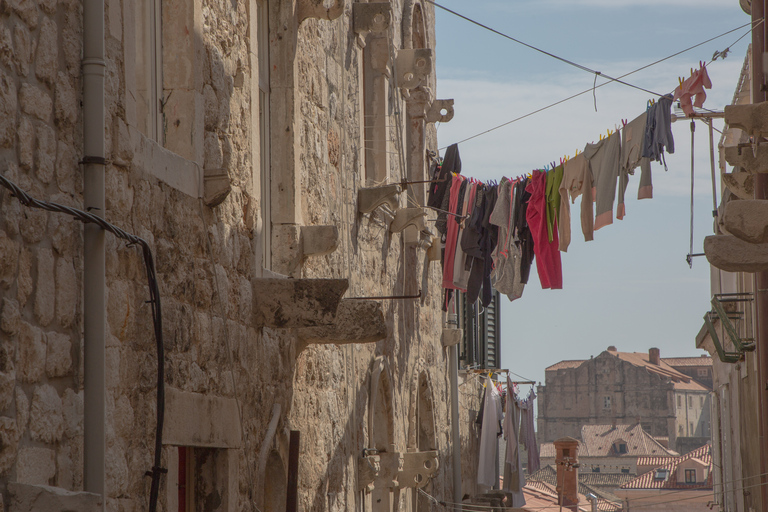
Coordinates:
x,y
678,402
149,68
690,476
606,402
702,401
692,430
262,36
625,470
679,430
690,402
201,473
702,372
620,447
661,474
595,469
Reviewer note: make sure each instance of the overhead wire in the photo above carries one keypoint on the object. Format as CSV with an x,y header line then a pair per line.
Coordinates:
x,y
576,95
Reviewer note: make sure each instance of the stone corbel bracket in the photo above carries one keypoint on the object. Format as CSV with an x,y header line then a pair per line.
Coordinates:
x,y
747,220
731,254
435,112
293,243
357,321
397,470
315,9
216,186
752,118
406,217
297,303
372,17
741,184
413,66
751,161
370,198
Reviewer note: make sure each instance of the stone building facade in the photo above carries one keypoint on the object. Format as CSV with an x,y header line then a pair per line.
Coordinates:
x,y
623,388
260,149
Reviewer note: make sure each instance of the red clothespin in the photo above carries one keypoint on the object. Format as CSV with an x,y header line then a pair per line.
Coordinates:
x,y
623,122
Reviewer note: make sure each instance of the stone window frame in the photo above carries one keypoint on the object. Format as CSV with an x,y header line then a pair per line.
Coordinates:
x,y
606,402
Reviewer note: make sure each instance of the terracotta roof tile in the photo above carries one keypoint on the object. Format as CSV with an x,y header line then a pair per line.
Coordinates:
x,y
546,479
688,361
648,480
572,363
600,441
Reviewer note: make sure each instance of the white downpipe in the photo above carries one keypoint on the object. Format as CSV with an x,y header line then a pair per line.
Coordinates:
x,y
264,452
94,286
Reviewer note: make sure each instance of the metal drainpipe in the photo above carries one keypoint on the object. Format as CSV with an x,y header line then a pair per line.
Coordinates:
x,y
761,278
453,372
94,287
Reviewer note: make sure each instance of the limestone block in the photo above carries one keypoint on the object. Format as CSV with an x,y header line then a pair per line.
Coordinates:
x,y
117,476
357,321
417,468
211,108
35,466
66,165
8,107
9,444
451,337
45,153
10,316
22,410
289,303
72,413
214,158
33,224
26,143
47,53
733,255
7,376
26,10
745,158
67,292
71,40
112,358
22,44
31,357
742,184
45,287
58,359
35,102
66,101
747,220
195,419
24,280
752,118
286,249
45,415
9,259
319,240
216,186
32,498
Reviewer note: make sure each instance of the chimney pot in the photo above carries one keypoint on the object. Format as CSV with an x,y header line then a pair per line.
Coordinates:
x,y
654,356
612,348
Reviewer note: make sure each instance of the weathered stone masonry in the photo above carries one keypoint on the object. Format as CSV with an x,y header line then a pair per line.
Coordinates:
x,y
232,182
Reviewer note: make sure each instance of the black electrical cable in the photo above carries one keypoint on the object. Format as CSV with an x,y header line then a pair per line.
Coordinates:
x,y
154,301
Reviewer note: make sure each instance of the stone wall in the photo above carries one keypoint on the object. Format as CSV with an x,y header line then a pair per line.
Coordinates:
x,y
225,372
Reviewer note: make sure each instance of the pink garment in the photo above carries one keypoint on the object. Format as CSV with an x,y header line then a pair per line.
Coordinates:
x,y
693,87
452,234
547,253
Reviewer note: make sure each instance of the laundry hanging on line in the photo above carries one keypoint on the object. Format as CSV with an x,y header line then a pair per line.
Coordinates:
x,y
491,232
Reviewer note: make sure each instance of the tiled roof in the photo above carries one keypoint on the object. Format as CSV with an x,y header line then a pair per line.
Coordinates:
x,y
688,361
573,363
655,461
641,359
545,480
647,480
540,496
547,450
605,479
599,441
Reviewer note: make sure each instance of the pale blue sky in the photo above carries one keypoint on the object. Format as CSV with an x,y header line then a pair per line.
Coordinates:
x,y
631,287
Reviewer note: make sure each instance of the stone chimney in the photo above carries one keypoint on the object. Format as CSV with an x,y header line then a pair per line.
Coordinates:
x,y
654,356
567,461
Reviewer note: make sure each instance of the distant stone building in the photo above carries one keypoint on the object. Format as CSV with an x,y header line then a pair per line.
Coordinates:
x,y
625,388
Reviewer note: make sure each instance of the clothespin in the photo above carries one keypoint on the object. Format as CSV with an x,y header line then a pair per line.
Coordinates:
x,y
691,71
623,122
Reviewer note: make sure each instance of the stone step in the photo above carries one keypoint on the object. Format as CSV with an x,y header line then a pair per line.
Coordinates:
x,y
357,321
733,255
747,220
741,184
752,118
297,303
746,158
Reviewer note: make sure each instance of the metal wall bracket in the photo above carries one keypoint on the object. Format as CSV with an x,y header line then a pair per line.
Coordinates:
x,y
370,17
413,67
370,198
741,344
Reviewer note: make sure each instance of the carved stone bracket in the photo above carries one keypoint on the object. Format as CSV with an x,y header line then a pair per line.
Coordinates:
x,y
451,337
734,255
296,303
397,470
372,17
370,198
435,113
406,217
747,220
752,118
315,9
741,184
216,186
751,161
357,321
413,67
